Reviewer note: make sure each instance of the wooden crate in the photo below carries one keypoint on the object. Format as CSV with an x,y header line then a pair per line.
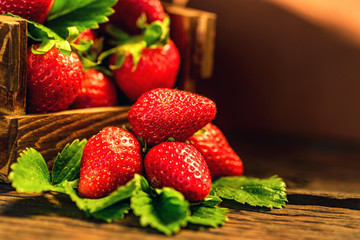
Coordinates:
x,y
49,133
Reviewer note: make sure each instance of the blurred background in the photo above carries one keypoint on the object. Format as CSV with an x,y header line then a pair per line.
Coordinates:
x,y
286,81
286,67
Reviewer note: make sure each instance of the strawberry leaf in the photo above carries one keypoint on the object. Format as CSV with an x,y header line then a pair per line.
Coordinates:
x,y
67,163
81,14
48,38
256,192
30,173
163,209
207,213
91,206
114,212
157,33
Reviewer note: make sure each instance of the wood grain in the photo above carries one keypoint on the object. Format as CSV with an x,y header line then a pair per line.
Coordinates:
x,y
49,133
13,46
308,215
193,32
323,193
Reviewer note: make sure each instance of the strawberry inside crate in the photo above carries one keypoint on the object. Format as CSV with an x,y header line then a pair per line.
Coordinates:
x,y
192,31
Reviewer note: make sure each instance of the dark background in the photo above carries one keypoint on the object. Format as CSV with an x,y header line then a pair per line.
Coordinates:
x,y
286,69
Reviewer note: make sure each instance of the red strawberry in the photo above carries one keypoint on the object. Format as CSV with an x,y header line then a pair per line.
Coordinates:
x,y
163,113
127,13
180,166
221,159
87,35
158,68
53,80
110,159
34,10
97,90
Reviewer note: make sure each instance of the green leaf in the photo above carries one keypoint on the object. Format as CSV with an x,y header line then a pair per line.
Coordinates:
x,y
95,205
206,212
153,33
207,216
30,173
164,209
47,37
81,14
256,192
112,213
67,164
209,201
157,33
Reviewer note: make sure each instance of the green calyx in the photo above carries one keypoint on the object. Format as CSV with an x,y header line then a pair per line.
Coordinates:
x,y
154,35
67,19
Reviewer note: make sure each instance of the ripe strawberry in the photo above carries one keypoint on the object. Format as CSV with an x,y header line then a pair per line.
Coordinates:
x,y
221,159
97,90
158,68
87,35
34,10
53,80
127,13
180,166
163,113
110,159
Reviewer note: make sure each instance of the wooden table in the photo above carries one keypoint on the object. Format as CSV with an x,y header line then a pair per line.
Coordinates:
x,y
323,191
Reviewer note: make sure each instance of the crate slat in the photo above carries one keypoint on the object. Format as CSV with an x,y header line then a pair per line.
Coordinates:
x,y
13,46
49,133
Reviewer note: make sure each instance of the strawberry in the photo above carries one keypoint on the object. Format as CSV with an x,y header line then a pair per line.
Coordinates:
x,y
127,13
97,90
53,80
165,113
87,35
110,159
34,10
221,159
157,68
91,35
180,166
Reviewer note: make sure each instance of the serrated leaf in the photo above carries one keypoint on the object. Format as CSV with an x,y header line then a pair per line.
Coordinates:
x,y
94,205
256,192
206,212
47,37
30,173
81,14
209,201
67,163
165,210
64,7
112,213
207,216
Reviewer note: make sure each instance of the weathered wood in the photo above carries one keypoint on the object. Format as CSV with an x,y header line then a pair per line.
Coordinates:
x,y
304,163
49,133
13,45
314,210
193,31
308,215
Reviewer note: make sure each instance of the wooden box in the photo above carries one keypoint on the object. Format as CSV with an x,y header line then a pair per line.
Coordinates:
x,y
49,133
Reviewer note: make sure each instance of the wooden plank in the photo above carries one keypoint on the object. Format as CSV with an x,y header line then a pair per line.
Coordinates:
x,y
49,133
13,46
309,215
193,32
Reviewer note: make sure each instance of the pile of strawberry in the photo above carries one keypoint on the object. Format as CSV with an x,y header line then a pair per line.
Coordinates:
x,y
183,149
89,59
